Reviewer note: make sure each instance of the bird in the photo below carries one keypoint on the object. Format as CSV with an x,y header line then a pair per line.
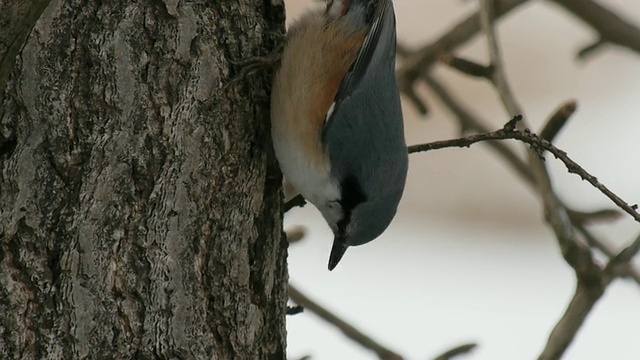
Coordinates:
x,y
336,120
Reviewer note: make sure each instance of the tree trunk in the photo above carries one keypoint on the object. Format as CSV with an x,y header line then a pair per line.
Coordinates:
x,y
139,197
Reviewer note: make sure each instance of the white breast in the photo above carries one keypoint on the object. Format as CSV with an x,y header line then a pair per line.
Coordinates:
x,y
310,181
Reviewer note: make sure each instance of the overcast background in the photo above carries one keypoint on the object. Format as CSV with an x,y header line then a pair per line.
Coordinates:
x,y
468,257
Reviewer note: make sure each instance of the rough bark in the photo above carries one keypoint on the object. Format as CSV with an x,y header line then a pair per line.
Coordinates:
x,y
139,197
16,20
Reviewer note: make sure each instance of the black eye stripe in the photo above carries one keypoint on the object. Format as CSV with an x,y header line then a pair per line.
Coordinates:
x,y
351,196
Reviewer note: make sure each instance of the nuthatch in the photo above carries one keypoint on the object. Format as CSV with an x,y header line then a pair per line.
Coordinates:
x,y
336,118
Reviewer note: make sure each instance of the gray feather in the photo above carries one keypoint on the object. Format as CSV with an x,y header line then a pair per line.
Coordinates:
x,y
364,135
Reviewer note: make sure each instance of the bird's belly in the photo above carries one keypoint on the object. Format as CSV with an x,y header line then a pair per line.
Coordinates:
x,y
311,181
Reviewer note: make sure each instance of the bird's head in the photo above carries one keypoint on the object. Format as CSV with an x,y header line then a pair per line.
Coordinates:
x,y
361,214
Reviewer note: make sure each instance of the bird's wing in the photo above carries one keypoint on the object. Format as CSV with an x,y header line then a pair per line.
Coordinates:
x,y
382,22
378,45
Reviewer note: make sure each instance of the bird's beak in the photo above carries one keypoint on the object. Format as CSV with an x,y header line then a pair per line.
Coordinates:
x,y
337,251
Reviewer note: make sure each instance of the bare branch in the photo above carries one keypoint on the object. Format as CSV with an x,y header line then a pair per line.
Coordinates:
x,y
467,66
590,217
537,144
499,77
611,27
470,122
350,331
573,318
627,270
592,279
456,351
418,62
585,297
565,330
623,257
590,49
558,120
406,87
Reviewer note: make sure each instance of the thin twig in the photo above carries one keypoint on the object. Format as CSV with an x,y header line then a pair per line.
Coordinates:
x,y
416,67
585,297
350,331
628,271
588,217
472,123
418,62
498,75
592,283
610,26
591,280
406,87
565,330
456,351
590,49
467,66
558,120
623,258
537,144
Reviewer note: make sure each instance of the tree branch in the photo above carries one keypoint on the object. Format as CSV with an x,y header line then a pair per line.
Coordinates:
x,y
456,351
538,145
627,270
417,62
350,331
567,327
623,258
592,280
611,27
